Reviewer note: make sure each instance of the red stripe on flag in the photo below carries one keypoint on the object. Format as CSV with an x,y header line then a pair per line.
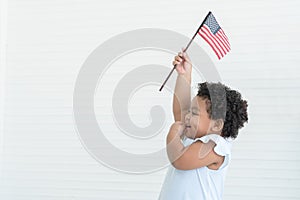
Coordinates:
x,y
207,39
222,41
210,36
223,51
216,42
207,34
223,33
211,43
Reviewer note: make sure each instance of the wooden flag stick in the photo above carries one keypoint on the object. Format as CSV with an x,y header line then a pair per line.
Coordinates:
x,y
187,46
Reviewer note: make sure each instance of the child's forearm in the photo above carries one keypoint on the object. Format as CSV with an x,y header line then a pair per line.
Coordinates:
x,y
175,147
182,96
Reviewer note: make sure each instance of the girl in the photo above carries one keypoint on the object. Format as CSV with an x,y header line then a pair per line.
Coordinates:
x,y
199,142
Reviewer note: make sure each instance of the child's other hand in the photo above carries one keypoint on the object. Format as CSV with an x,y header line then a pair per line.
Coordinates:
x,y
178,127
182,62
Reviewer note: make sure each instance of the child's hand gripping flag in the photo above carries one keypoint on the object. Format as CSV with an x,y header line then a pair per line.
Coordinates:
x,y
212,33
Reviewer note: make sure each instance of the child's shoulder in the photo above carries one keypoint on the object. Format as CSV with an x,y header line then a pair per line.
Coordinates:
x,y
222,146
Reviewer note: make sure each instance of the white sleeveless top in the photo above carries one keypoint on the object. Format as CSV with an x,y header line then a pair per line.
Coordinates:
x,y
201,183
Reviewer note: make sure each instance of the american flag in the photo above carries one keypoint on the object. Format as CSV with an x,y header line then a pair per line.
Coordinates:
x,y
213,34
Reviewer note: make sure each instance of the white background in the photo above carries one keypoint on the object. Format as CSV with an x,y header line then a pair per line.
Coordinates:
x,y
43,45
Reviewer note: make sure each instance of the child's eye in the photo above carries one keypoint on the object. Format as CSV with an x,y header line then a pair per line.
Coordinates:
x,y
194,113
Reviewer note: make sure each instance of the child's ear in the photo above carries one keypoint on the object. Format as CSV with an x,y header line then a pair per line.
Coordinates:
x,y
218,125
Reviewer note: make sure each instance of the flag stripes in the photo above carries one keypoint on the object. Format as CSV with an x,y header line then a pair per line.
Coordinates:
x,y
212,33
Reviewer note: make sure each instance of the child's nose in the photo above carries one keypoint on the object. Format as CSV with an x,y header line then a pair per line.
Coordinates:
x,y
187,118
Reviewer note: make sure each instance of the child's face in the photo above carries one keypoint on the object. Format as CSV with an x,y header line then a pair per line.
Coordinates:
x,y
197,121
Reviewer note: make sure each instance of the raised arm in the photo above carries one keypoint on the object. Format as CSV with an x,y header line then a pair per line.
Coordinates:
x,y
182,93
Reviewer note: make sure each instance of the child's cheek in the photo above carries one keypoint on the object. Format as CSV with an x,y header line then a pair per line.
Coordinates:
x,y
194,125
194,122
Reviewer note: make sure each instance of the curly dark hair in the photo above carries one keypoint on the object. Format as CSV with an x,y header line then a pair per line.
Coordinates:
x,y
226,104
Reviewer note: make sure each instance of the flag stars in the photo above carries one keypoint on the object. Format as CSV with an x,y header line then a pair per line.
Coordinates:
x,y
212,23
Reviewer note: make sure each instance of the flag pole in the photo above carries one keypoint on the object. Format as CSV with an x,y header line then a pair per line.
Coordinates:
x,y
187,46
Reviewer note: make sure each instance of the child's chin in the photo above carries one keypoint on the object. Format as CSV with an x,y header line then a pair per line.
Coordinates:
x,y
190,135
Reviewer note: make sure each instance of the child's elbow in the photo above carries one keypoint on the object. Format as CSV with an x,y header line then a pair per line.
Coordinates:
x,y
179,165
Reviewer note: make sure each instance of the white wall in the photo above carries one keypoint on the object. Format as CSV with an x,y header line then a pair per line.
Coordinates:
x,y
48,41
3,44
